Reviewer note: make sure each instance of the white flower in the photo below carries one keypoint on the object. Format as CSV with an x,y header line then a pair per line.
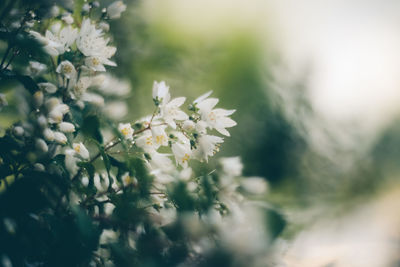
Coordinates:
x,y
115,9
208,145
48,87
146,142
60,138
67,69
126,130
61,40
48,134
181,150
159,135
188,125
71,162
170,111
91,43
111,85
81,150
35,68
93,98
51,47
116,109
160,161
41,145
57,112
66,127
215,118
231,166
80,87
254,185
161,92
128,180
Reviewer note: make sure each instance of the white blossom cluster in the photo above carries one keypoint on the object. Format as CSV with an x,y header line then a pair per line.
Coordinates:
x,y
79,52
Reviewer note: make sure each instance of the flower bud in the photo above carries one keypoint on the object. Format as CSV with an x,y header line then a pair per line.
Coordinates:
x,y
66,127
38,98
41,145
3,101
60,138
48,87
18,131
39,167
48,134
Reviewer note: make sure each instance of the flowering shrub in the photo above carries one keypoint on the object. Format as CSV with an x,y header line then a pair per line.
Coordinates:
x,y
80,187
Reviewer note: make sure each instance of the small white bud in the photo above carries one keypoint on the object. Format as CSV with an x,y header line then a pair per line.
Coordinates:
x,y
60,138
42,121
81,150
38,98
39,167
41,145
18,131
48,134
48,87
66,127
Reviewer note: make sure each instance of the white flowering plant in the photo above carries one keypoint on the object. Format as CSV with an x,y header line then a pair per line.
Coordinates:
x,y
81,187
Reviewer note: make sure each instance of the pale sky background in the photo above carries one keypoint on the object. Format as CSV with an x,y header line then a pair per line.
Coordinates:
x,y
352,47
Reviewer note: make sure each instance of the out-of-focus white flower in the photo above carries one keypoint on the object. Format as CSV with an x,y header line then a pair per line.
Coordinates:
x,y
127,179
41,145
161,92
181,150
188,125
231,166
57,111
170,111
38,98
66,127
215,118
42,121
3,101
71,162
48,134
208,146
186,174
39,167
81,150
18,131
126,130
67,18
93,98
80,87
115,9
52,102
111,85
254,185
92,44
35,68
67,69
116,109
60,138
48,87
104,26
160,161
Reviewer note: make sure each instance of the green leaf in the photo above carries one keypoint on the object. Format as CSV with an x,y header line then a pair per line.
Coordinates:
x,y
91,128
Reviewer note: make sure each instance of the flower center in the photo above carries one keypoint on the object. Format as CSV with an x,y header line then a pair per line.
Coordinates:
x,y
77,148
125,131
185,158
